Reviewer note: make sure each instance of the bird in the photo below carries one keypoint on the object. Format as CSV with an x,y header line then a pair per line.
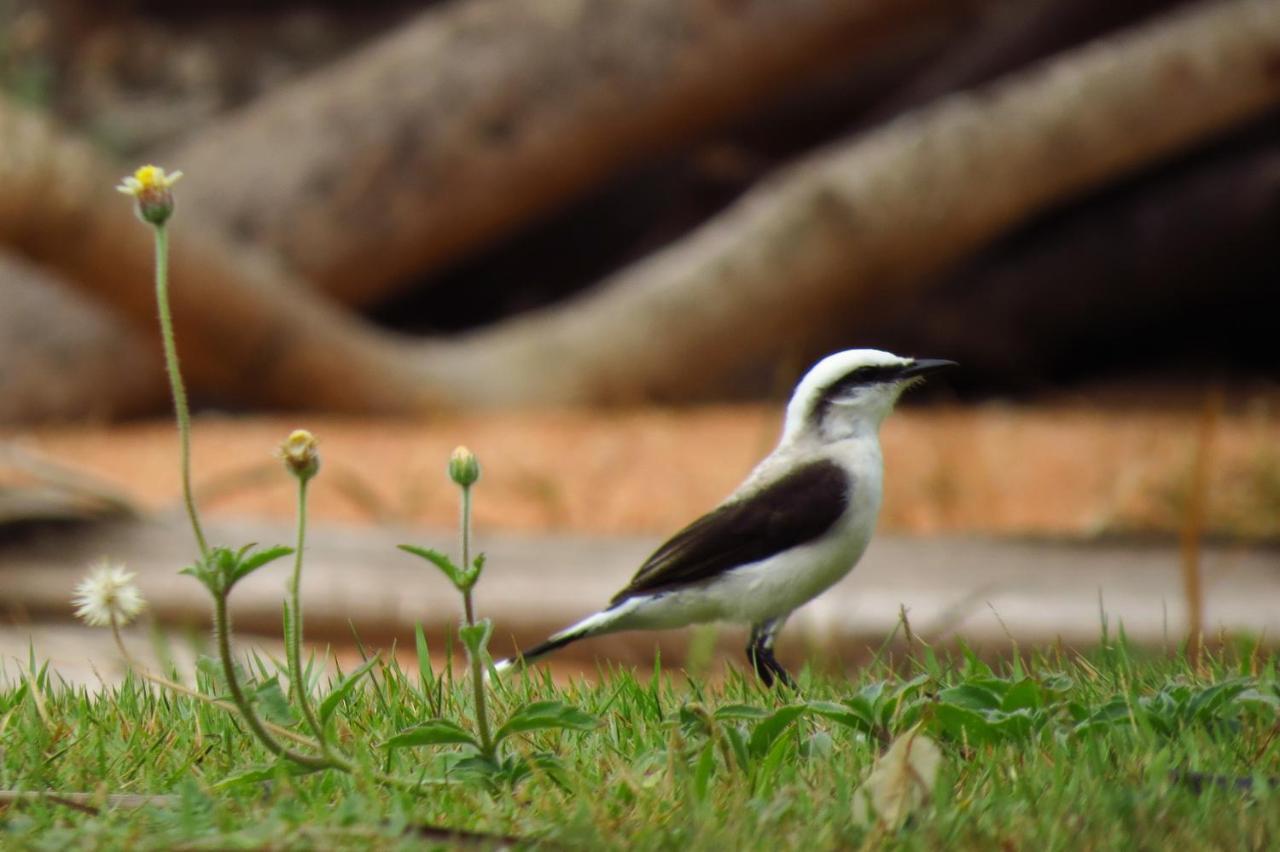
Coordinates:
x,y
796,525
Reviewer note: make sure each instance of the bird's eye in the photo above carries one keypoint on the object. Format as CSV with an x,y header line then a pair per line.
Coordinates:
x,y
868,374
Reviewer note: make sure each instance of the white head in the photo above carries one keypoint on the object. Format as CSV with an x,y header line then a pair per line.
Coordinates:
x,y
851,392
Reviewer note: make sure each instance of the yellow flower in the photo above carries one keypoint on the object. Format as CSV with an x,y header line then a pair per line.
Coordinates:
x,y
108,596
151,187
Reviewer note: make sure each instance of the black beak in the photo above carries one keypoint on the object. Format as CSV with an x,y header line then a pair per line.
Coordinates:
x,y
924,366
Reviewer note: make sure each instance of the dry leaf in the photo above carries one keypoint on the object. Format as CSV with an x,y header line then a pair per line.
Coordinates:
x,y
901,781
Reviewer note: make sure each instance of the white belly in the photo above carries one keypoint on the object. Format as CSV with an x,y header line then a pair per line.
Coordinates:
x,y
766,589
775,586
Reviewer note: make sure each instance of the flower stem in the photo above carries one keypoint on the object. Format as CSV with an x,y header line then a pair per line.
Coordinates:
x,y
465,522
141,671
477,664
180,407
222,634
293,641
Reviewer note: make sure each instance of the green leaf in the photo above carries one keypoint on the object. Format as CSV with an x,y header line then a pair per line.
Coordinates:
x,y
1257,698
1014,725
738,743
542,715
244,564
1114,712
694,720
740,711
964,724
703,771
476,636
769,767
769,729
1206,703
281,769
841,714
971,697
271,700
207,577
547,764
343,689
1023,695
819,746
438,559
1057,682
426,675
471,575
431,732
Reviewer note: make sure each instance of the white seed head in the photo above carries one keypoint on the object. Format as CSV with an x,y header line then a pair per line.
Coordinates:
x,y
108,595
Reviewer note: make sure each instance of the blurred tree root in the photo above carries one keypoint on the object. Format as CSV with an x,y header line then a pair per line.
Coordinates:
x,y
865,222
1116,273
477,116
63,356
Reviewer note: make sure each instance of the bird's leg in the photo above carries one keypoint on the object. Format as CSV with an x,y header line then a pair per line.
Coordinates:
x,y
760,653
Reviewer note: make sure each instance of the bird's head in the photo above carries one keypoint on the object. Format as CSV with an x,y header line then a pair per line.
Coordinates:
x,y
851,392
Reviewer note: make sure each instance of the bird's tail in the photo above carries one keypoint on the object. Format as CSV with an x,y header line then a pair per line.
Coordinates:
x,y
593,625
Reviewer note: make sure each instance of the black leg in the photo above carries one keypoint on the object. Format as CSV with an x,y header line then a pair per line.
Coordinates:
x,y
760,653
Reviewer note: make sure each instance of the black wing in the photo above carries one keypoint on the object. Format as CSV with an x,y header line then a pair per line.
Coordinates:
x,y
795,509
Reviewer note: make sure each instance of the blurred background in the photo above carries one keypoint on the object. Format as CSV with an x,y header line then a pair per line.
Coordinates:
x,y
598,241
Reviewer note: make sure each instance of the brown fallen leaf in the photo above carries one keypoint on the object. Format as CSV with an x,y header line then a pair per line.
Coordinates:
x,y
901,781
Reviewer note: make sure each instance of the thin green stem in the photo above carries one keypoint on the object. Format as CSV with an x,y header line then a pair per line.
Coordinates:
x,y
482,712
222,634
141,671
477,664
180,406
465,521
293,641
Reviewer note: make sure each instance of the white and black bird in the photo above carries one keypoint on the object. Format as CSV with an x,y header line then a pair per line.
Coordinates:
x,y
798,523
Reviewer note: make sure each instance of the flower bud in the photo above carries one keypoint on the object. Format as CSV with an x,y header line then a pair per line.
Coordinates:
x,y
300,454
151,189
463,467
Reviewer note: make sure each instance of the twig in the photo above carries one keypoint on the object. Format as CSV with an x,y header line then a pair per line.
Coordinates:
x,y
1193,525
90,803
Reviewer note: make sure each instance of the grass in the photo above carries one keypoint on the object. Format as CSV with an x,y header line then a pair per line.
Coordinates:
x,y
1116,749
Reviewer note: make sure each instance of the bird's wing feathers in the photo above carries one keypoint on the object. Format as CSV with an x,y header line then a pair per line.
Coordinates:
x,y
792,510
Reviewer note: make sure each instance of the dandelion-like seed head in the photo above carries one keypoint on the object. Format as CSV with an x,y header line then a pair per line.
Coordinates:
x,y
151,187
300,454
108,596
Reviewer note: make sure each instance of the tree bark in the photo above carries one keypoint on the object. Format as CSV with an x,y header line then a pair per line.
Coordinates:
x,y
477,116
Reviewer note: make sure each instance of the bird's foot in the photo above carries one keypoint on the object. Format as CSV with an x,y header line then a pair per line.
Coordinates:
x,y
767,667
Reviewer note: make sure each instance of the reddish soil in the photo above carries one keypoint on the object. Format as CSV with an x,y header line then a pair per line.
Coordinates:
x,y
1060,470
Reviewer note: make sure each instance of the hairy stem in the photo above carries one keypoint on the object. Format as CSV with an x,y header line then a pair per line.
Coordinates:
x,y
222,634
180,406
141,671
293,641
477,664
465,523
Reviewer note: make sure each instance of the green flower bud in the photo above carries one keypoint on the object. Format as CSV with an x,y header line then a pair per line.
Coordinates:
x,y
463,467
